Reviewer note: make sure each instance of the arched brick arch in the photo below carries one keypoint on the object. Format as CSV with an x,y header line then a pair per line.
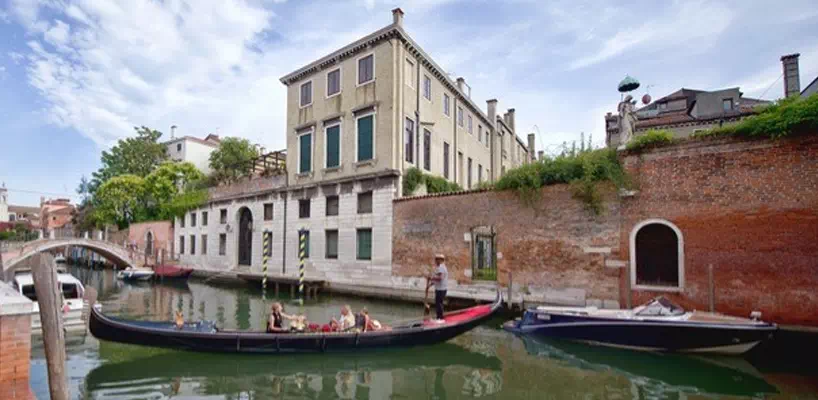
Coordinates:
x,y
112,252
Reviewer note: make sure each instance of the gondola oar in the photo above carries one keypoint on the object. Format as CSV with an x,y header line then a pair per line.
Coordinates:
x,y
426,309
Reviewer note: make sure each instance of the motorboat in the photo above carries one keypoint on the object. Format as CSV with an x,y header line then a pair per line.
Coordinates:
x,y
59,259
72,293
163,272
205,336
135,274
659,325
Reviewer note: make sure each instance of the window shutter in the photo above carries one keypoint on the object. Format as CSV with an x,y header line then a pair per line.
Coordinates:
x,y
305,153
333,146
365,133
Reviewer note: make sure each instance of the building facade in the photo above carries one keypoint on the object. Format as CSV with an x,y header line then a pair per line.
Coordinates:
x,y
194,150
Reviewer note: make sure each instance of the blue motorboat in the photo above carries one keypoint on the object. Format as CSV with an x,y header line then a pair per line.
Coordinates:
x,y
659,325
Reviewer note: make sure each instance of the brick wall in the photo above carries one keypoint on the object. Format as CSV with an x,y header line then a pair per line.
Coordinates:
x,y
749,208
543,244
15,344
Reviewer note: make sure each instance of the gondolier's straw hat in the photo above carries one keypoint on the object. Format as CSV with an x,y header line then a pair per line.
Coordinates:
x,y
440,257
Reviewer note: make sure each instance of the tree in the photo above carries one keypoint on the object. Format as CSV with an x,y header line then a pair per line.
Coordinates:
x,y
137,156
232,160
166,183
121,200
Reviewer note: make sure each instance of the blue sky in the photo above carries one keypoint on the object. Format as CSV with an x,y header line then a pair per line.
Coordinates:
x,y
75,76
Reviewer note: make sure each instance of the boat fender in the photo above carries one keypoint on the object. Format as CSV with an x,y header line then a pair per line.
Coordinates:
x,y
755,315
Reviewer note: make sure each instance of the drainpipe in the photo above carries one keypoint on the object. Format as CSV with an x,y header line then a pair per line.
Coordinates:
x,y
417,116
284,235
454,140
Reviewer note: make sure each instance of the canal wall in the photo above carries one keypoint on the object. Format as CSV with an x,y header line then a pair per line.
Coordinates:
x,y
15,343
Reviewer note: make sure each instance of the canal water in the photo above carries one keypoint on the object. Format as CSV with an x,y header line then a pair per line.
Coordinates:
x,y
485,363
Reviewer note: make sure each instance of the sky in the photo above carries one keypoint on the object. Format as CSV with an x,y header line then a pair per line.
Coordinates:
x,y
76,76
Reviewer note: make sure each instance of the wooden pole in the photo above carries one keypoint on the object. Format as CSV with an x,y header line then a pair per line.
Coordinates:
x,y
510,285
711,287
49,298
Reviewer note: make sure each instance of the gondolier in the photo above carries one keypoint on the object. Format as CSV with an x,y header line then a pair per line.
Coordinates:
x,y
440,278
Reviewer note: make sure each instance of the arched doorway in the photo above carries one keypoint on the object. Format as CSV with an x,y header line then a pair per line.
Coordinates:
x,y
149,244
657,255
245,236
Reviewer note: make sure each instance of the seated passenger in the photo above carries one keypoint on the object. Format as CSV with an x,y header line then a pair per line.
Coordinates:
x,y
345,322
371,324
179,320
275,323
298,323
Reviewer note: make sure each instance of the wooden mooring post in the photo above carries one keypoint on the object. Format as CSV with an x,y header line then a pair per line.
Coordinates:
x,y
49,297
510,299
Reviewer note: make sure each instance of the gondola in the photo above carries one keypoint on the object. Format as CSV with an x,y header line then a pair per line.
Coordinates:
x,y
204,336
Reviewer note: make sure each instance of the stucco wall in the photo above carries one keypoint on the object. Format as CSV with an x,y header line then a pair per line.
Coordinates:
x,y
162,232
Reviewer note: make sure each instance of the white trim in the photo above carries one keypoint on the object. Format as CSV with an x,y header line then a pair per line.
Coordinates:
x,y
457,117
374,115
411,83
310,131
339,124
358,72
340,82
312,94
425,77
414,144
470,125
422,162
447,107
681,255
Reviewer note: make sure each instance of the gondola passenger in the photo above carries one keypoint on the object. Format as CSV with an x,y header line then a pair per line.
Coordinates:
x,y
275,323
346,320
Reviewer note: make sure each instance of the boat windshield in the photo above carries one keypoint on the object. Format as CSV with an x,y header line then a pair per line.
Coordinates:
x,y
659,306
69,291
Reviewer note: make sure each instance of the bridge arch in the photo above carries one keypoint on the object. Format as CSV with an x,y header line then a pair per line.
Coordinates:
x,y
118,255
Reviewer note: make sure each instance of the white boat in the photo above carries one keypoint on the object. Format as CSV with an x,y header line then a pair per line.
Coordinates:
x,y
135,274
72,293
59,259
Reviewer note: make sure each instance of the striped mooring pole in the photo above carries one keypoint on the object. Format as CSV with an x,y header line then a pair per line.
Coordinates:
x,y
302,247
265,255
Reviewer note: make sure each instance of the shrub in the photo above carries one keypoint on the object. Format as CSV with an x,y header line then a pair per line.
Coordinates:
x,y
414,177
651,138
787,117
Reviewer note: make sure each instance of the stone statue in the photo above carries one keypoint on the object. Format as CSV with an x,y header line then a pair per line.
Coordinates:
x,y
627,120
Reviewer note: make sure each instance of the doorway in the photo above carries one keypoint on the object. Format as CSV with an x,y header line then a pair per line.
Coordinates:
x,y
149,244
245,237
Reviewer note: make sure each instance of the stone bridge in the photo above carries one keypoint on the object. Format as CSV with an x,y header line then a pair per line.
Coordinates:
x,y
11,257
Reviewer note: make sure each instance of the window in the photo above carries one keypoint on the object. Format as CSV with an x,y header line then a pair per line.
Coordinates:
x,y
479,173
409,73
470,126
479,133
204,244
182,221
445,160
178,147
427,87
409,140
366,69
223,216
333,146
366,137
306,245
181,244
427,150
222,244
657,252
331,251
727,104
365,203
304,208
306,94
483,256
446,110
487,138
468,173
192,219
460,166
332,206
663,106
192,244
268,211
333,82
460,116
204,218
364,244
305,152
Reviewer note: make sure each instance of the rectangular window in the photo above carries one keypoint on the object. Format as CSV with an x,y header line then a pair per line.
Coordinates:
x,y
364,244
306,94
663,106
182,221
204,244
479,133
445,160
409,140
192,219
427,150
304,208
727,104
268,211
460,116
223,216
366,69
305,153
470,126
332,206
306,245
487,138
222,244
479,173
333,136
446,108
192,244
460,167
468,173
366,137
178,147
332,244
427,87
365,203
409,73
333,82
204,218
181,244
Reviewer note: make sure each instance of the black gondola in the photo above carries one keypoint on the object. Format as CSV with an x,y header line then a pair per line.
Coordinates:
x,y
204,336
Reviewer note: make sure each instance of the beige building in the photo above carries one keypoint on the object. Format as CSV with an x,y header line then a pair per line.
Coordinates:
x,y
381,106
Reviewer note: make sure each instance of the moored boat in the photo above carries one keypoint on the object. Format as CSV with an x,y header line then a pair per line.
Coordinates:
x,y
205,336
135,274
59,259
72,292
171,272
659,325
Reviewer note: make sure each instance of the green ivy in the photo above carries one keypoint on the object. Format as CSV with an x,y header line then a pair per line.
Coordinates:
x,y
791,116
414,177
651,138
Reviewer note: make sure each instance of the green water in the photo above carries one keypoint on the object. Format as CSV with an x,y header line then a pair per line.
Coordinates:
x,y
485,363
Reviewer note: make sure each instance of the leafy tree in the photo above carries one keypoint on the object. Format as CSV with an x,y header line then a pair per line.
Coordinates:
x,y
121,200
137,156
84,218
166,183
232,160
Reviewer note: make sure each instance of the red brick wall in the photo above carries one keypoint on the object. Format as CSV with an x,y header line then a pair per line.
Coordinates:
x,y
162,234
543,244
15,353
749,208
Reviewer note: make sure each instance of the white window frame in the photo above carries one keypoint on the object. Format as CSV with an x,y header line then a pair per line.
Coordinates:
x,y
460,116
312,93
374,114
411,82
680,252
429,79
470,124
358,67
447,105
310,131
479,133
415,127
340,126
340,82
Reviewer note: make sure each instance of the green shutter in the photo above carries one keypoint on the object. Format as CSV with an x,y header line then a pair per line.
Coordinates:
x,y
334,146
364,244
305,156
365,132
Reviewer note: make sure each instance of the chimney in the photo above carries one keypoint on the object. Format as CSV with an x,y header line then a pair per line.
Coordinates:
x,y
792,83
505,118
173,131
491,110
397,17
531,144
540,155
463,87
511,119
